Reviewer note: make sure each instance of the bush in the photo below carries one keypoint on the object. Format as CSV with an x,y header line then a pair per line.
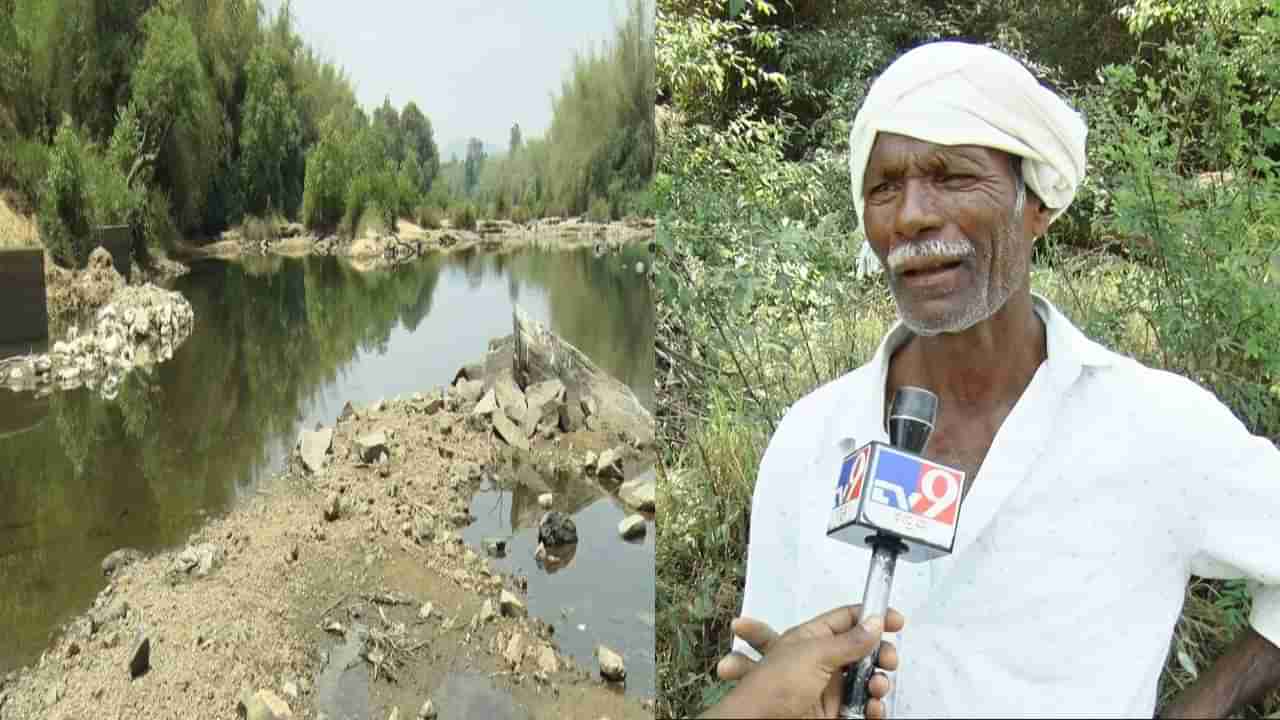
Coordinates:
x,y
463,217
23,165
427,217
63,213
598,210
258,229
520,214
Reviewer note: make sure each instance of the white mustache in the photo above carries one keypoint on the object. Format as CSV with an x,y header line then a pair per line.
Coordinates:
x,y
952,249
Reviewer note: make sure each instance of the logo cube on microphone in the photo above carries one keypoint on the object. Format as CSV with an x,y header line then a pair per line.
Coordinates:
x,y
882,488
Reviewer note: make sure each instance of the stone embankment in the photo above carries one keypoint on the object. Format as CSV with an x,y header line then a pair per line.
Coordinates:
x,y
408,242
137,326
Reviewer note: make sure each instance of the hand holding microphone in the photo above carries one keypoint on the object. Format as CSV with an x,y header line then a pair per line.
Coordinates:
x,y
800,675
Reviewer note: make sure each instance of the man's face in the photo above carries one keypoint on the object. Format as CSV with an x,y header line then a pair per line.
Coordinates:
x,y
948,226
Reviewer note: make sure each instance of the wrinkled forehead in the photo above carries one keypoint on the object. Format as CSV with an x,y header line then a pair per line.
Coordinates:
x,y
895,155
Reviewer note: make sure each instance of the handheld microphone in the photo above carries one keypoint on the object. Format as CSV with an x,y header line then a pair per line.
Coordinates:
x,y
898,504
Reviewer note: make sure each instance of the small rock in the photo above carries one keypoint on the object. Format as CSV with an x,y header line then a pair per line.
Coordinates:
x,y
428,711
264,705
495,547
119,559
632,527
381,405
589,406
435,403
487,612
290,689
423,531
314,446
54,694
425,612
508,431
609,464
348,413
469,391
369,447
546,659
487,405
140,658
557,528
333,507
515,651
611,665
640,493
511,605
545,500
395,714
118,609
292,555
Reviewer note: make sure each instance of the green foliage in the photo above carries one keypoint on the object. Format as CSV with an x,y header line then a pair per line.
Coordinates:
x,y
598,210
270,137
418,137
427,217
473,164
463,216
63,216
328,172
1208,237
23,166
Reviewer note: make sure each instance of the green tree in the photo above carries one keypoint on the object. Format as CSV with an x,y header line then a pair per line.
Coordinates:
x,y
416,130
270,139
474,164
386,122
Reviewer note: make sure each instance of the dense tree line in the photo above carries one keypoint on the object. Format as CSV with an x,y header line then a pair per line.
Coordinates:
x,y
184,117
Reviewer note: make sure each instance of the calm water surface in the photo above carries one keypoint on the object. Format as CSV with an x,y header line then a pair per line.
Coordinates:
x,y
280,345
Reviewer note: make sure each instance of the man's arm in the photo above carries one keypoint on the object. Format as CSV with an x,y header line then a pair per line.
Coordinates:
x,y
1248,670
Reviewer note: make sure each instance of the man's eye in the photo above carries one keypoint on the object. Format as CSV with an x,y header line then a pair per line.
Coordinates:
x,y
881,190
956,178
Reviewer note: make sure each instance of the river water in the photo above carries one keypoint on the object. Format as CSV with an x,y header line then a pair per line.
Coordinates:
x,y
278,346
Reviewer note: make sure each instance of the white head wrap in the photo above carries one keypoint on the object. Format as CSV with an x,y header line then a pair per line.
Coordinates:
x,y
953,93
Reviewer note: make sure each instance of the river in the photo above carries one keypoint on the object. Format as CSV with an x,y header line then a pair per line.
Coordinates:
x,y
280,345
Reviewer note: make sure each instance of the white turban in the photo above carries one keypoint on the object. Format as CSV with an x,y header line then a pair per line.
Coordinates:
x,y
952,93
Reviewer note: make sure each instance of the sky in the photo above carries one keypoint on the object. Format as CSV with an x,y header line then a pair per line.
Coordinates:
x,y
473,67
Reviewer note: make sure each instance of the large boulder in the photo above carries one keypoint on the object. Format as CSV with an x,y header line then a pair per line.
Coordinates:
x,y
557,528
468,391
314,446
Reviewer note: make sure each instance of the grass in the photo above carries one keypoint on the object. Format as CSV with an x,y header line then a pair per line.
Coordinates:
x,y
16,231
714,431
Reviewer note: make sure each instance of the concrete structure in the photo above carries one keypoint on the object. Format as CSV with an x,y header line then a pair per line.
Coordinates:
x,y
24,312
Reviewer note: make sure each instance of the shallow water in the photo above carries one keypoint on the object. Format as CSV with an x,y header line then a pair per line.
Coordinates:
x,y
278,346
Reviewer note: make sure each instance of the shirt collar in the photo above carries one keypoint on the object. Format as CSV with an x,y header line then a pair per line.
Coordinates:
x,y
1069,352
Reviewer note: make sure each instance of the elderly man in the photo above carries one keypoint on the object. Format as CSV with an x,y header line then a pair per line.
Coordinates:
x,y
1095,486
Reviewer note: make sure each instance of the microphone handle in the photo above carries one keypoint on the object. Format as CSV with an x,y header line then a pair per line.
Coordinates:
x,y
875,601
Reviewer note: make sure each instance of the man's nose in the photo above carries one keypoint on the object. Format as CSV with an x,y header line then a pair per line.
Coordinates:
x,y
917,210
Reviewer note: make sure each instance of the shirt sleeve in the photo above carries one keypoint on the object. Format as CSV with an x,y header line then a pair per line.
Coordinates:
x,y
1234,511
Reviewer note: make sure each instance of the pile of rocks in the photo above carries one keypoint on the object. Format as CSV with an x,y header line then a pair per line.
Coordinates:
x,y
141,326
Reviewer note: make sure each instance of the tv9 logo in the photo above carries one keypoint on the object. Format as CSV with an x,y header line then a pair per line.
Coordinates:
x,y
916,486
852,472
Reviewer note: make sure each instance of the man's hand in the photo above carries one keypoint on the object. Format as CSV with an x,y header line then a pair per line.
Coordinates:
x,y
802,670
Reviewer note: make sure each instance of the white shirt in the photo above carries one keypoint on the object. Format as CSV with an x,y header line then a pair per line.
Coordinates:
x,y
1108,485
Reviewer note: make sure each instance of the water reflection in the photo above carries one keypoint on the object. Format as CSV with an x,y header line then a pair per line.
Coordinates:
x,y
276,346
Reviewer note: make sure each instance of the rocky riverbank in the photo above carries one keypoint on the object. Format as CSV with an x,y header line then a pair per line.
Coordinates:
x,y
409,241
344,586
134,326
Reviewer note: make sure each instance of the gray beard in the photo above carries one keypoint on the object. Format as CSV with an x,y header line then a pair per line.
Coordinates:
x,y
990,298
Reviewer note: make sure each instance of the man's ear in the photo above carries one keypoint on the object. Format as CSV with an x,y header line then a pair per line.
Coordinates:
x,y
1041,216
